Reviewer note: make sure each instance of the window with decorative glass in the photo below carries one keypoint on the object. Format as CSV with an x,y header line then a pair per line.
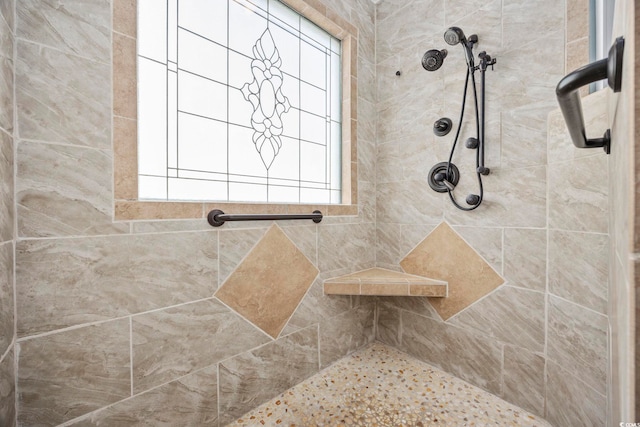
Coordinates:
x,y
238,101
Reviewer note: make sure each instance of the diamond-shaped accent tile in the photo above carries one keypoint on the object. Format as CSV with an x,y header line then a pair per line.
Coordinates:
x,y
444,255
269,283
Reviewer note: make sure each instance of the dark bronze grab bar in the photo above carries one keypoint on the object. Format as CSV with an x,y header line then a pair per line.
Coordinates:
x,y
569,99
216,217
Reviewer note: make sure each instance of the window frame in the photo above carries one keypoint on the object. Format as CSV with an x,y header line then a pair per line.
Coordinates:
x,y
127,206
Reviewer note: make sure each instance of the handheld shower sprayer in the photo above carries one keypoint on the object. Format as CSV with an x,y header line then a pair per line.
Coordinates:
x,y
454,35
433,58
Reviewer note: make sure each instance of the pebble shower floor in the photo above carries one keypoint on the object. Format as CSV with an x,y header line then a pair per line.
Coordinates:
x,y
382,387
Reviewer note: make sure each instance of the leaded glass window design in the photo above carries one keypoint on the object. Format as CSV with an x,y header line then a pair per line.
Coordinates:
x,y
238,100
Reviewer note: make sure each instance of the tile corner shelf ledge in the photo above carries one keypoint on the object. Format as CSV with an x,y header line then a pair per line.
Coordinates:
x,y
383,282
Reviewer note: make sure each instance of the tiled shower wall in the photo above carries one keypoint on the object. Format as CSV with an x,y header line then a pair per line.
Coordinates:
x,y
7,228
117,321
540,339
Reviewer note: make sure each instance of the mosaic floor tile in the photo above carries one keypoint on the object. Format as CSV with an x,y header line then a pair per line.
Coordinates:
x,y
380,386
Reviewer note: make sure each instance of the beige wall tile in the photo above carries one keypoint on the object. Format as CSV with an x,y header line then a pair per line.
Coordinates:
x,y
125,152
345,246
388,329
125,210
415,200
79,27
6,10
66,282
268,285
63,191
486,241
577,341
525,258
7,231
570,402
124,17
71,373
524,379
577,19
125,98
534,19
578,198
583,277
6,296
191,336
444,255
191,400
7,41
464,354
234,247
251,378
578,56
62,97
511,315
7,391
345,333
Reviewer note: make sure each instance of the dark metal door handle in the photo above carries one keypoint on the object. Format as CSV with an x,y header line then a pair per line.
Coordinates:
x,y
569,99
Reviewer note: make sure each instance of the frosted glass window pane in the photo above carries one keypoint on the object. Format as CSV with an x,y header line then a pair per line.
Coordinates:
x,y
291,124
312,128
279,194
312,163
336,98
200,56
247,192
336,196
200,96
172,30
245,27
239,70
197,95
312,65
244,159
312,195
203,144
284,14
152,29
152,110
287,165
289,48
315,33
152,187
172,120
195,189
312,99
239,109
205,17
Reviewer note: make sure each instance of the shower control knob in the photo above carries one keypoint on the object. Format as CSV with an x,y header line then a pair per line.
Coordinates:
x,y
472,199
442,126
471,143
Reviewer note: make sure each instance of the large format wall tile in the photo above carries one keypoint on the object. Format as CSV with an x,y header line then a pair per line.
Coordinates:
x,y
174,342
234,246
444,255
63,190
249,379
525,255
583,277
408,202
524,379
62,97
68,374
388,328
578,194
189,401
268,285
6,296
65,282
570,402
6,75
577,341
532,18
7,391
511,315
79,26
460,352
345,246
346,333
6,187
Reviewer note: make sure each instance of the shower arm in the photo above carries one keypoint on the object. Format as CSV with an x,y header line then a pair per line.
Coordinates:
x,y
609,68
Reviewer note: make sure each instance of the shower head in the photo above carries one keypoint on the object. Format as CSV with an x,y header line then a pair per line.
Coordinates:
x,y
454,35
432,59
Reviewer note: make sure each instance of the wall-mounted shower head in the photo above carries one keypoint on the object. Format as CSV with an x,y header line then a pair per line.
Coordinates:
x,y
432,59
454,35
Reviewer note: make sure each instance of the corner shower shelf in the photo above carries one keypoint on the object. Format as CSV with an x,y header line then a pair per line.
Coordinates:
x,y
383,282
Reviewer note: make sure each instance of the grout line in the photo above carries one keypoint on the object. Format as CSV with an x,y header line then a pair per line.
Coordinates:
x,y
131,352
14,142
578,305
8,350
218,392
